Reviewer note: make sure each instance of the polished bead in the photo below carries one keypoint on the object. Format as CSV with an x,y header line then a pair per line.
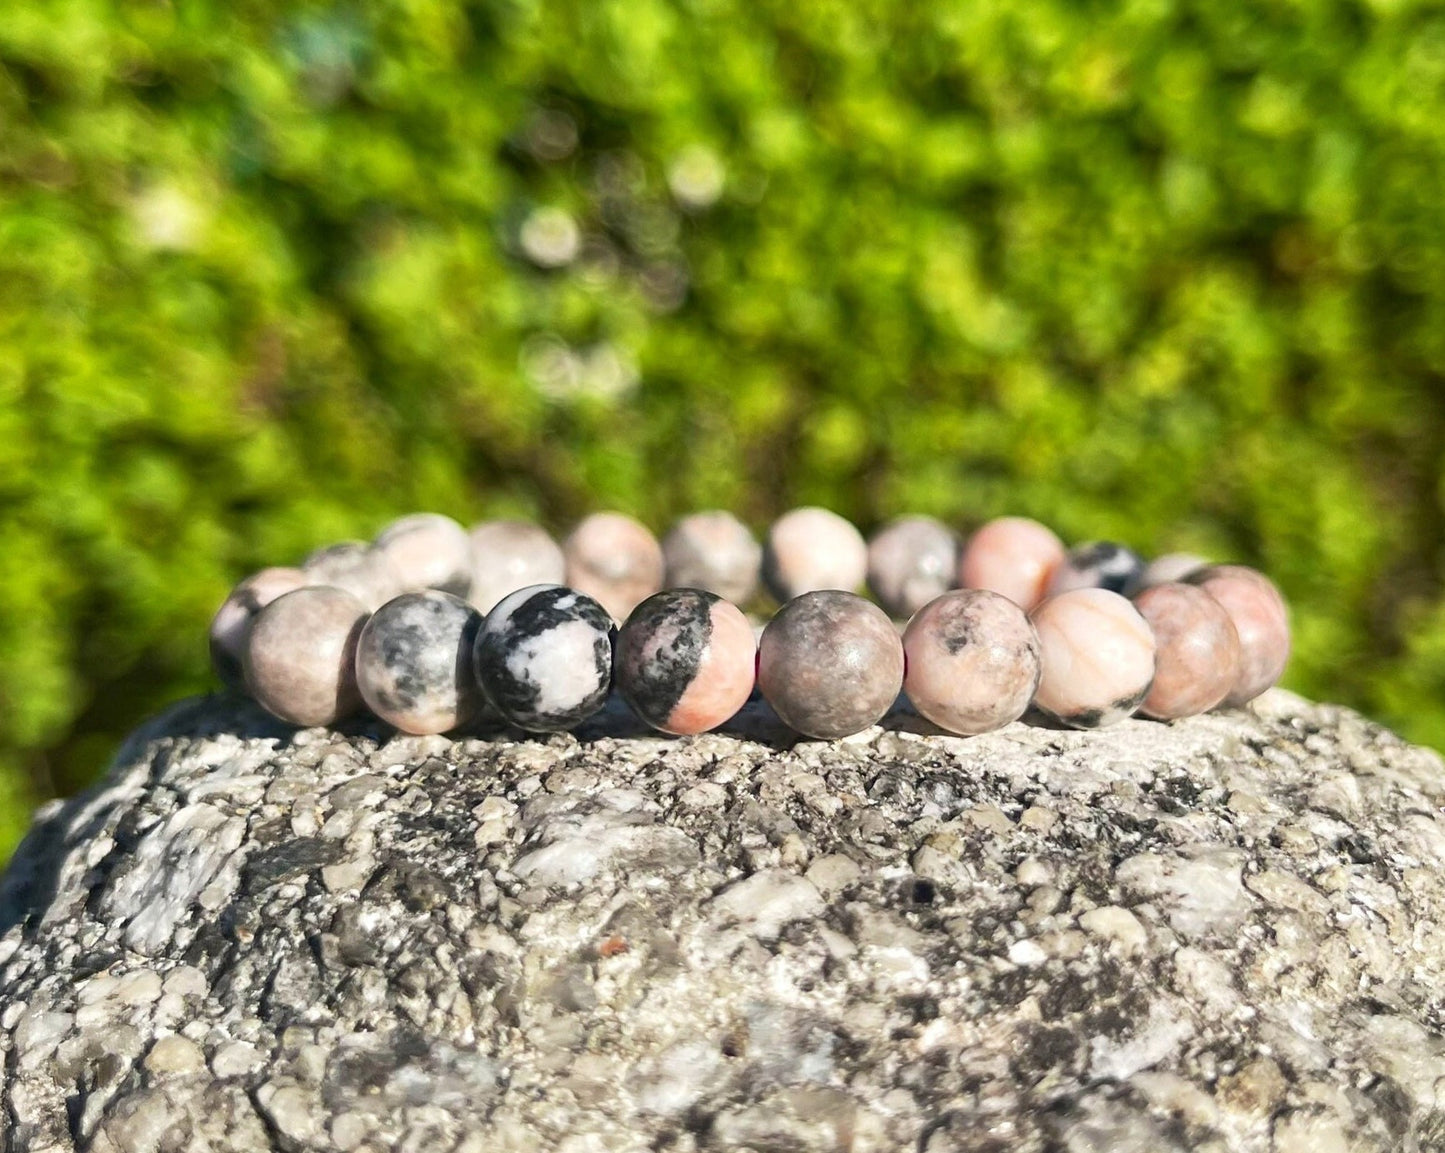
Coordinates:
x,y
544,657
354,567
1097,654
508,555
1172,566
232,621
414,662
1013,556
300,655
713,551
810,549
1196,650
615,560
972,661
428,551
1261,619
1099,565
910,562
830,663
685,660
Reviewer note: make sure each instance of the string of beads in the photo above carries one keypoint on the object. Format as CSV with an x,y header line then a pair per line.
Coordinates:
x,y
434,628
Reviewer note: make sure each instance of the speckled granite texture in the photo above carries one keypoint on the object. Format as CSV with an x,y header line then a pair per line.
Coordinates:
x,y
1221,934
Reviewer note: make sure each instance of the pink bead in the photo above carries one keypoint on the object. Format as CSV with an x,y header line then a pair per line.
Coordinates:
x,y
615,560
300,657
1172,566
1196,650
1261,619
428,551
1013,556
232,622
911,561
357,568
809,549
1097,656
713,551
972,661
508,555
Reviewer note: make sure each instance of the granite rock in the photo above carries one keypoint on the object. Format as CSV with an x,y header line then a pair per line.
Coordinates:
x,y
1218,934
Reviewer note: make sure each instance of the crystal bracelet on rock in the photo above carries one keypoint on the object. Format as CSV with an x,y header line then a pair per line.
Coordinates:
x,y
433,628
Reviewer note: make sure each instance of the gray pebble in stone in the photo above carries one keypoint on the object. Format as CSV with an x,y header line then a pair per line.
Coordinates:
x,y
414,662
428,550
354,567
1099,565
544,657
910,562
508,555
713,551
232,622
830,663
300,656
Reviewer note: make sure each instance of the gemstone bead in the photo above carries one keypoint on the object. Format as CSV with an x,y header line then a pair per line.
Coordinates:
x,y
414,662
1172,566
232,622
615,560
1097,654
428,551
830,663
355,567
1196,650
300,655
972,661
508,555
810,549
1261,619
1013,556
544,657
910,562
1099,565
713,551
685,660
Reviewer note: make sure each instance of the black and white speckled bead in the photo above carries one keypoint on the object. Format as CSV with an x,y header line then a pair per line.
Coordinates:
x,y
1101,564
544,657
414,662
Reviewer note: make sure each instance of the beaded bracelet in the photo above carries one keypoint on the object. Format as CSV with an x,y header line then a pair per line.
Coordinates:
x,y
433,628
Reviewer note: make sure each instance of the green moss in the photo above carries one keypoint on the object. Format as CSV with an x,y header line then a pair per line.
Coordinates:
x,y
271,274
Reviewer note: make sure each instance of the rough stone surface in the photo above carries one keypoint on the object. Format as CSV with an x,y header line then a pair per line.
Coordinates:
x,y
1221,934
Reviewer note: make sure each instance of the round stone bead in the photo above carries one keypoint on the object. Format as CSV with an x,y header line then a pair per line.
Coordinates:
x,y
972,661
414,662
544,657
615,560
428,551
830,663
1261,619
300,655
1013,556
910,562
1172,566
354,567
713,551
1099,565
232,622
1097,654
810,549
685,660
1196,650
508,555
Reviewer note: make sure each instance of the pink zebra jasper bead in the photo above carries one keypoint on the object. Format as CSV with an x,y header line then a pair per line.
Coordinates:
x,y
1097,657
830,663
1261,619
685,660
300,657
428,551
232,622
972,661
810,549
414,662
508,555
1172,566
1196,650
1013,556
615,560
713,551
356,568
1102,564
910,562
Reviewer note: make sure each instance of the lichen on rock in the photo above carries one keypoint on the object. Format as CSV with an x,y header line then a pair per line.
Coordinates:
x,y
1217,934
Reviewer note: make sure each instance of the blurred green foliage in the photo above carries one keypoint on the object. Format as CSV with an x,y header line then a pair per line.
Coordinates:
x,y
1168,271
